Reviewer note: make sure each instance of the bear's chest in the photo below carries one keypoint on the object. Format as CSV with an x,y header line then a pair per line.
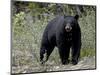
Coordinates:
x,y
68,37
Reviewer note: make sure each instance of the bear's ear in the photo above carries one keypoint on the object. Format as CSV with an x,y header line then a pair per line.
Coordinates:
x,y
76,17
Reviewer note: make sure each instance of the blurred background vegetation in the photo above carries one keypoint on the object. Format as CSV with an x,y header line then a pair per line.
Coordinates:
x,y
29,20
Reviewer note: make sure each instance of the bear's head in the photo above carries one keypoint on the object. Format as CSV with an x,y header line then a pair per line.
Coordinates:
x,y
70,22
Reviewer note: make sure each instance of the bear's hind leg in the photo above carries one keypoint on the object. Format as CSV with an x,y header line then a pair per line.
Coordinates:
x,y
42,52
48,52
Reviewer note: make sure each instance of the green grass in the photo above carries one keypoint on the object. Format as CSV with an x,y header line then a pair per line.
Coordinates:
x,y
87,52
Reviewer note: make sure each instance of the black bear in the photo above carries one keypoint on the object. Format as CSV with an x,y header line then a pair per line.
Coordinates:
x,y
63,32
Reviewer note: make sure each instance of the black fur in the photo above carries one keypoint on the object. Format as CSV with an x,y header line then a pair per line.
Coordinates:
x,y
63,32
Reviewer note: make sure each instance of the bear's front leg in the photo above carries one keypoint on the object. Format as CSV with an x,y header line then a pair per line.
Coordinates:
x,y
64,55
64,51
76,53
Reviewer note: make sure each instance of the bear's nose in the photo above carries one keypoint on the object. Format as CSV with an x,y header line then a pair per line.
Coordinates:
x,y
68,29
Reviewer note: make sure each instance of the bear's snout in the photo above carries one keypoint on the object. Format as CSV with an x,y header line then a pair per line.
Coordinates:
x,y
68,28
